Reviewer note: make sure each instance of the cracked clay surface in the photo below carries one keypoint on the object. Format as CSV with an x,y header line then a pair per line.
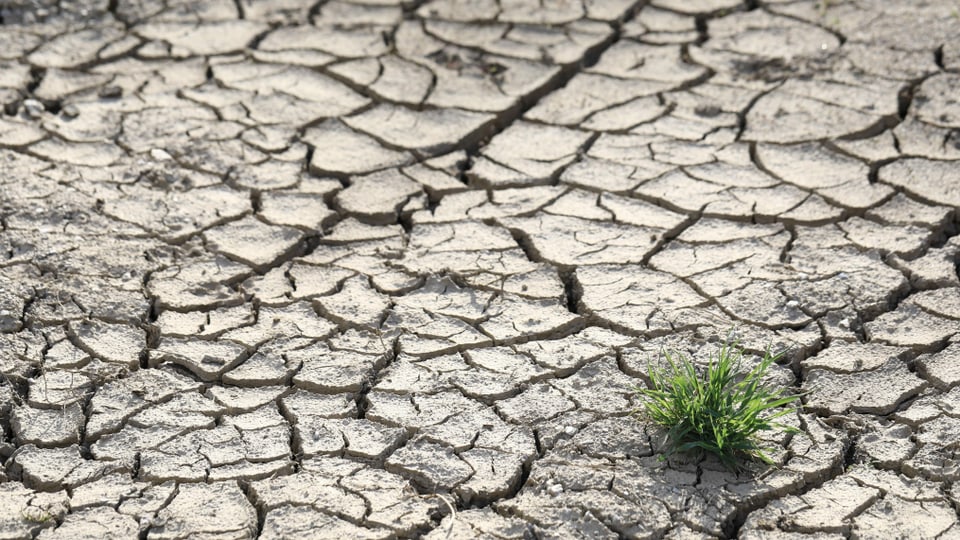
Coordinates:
x,y
391,268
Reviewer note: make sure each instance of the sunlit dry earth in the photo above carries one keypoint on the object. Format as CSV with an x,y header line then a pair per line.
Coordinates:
x,y
379,269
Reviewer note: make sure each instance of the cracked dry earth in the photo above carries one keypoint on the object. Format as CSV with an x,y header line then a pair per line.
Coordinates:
x,y
378,269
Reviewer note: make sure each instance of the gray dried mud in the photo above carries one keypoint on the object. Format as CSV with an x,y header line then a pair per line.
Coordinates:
x,y
391,269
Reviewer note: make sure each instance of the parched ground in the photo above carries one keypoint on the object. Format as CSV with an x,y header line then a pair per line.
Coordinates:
x,y
377,269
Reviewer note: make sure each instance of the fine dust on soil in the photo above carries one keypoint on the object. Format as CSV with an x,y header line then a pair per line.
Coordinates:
x,y
386,268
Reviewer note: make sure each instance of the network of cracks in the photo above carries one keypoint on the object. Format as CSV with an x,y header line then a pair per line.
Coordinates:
x,y
379,269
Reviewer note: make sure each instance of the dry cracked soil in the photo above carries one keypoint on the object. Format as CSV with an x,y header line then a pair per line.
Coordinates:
x,y
391,268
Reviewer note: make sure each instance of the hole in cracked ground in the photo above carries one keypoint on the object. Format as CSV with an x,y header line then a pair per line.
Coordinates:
x,y
256,201
572,290
850,456
309,158
11,107
905,98
462,168
52,106
144,359
700,24
952,139
36,77
362,404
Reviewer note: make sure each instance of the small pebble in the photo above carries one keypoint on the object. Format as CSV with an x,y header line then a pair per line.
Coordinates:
x,y
160,155
112,91
555,489
570,430
793,304
33,108
70,111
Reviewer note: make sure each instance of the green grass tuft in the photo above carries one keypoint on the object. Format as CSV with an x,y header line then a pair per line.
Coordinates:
x,y
720,410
